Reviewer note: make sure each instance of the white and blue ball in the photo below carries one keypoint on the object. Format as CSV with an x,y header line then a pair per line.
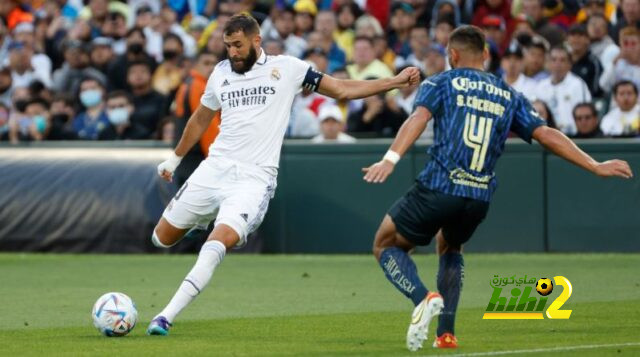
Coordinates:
x,y
114,314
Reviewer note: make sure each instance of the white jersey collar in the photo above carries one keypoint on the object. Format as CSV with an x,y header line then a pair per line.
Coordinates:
x,y
262,59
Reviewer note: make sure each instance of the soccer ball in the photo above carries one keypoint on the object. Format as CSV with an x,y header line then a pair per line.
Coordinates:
x,y
114,314
544,286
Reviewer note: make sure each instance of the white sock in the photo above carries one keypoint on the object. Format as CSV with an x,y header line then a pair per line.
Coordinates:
x,y
210,256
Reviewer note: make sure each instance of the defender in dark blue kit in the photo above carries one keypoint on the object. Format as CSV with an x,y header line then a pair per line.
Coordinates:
x,y
473,113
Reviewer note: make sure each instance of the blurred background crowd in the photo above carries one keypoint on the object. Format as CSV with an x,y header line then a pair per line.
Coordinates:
x,y
114,70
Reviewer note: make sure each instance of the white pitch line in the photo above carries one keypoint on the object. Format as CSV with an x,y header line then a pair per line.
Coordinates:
x,y
552,349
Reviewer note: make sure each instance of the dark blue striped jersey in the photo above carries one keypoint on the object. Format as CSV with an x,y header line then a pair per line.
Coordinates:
x,y
473,112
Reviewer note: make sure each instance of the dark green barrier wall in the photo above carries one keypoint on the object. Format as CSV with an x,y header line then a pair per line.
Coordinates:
x,y
542,203
588,213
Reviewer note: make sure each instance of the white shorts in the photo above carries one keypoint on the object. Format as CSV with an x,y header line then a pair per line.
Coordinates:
x,y
230,192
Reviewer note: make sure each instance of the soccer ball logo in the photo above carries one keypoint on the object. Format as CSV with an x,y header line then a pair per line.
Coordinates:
x,y
114,314
544,286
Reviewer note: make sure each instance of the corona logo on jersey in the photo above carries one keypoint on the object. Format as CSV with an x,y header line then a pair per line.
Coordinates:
x,y
522,302
247,96
464,84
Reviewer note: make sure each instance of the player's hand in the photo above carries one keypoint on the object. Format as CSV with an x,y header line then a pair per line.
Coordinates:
x,y
378,172
167,167
408,77
611,168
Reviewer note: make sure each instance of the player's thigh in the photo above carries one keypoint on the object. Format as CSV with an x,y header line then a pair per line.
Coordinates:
x,y
460,229
245,206
419,214
197,201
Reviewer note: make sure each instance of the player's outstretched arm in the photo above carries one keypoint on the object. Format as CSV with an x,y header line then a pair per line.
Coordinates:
x,y
407,135
353,89
196,126
558,143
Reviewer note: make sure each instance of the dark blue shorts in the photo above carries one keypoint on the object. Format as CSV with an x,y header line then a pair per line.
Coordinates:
x,y
421,212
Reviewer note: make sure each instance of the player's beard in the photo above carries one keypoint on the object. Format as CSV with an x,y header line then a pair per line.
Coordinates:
x,y
244,64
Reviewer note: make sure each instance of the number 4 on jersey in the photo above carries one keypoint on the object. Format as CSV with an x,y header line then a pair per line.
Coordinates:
x,y
477,132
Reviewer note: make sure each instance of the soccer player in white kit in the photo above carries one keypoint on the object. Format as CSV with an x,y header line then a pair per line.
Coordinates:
x,y
235,183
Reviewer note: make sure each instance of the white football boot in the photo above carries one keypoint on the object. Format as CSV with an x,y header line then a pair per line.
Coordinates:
x,y
426,310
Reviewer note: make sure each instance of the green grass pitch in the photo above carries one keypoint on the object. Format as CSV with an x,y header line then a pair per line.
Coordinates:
x,y
307,306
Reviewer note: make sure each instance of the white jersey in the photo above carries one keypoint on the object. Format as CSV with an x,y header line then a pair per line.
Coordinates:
x,y
526,86
562,97
617,122
255,107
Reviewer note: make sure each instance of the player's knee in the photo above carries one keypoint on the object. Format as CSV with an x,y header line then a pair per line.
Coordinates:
x,y
158,242
381,242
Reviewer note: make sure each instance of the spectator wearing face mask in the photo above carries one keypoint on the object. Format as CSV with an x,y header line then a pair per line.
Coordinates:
x,y
19,99
119,109
34,124
170,73
62,113
117,72
90,122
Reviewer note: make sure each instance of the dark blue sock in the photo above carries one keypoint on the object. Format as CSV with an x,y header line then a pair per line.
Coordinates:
x,y
402,273
450,278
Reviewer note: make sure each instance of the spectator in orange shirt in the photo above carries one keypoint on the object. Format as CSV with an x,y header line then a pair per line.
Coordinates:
x,y
14,14
187,100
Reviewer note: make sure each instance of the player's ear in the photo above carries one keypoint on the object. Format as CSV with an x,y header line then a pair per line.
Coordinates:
x,y
257,41
485,54
454,55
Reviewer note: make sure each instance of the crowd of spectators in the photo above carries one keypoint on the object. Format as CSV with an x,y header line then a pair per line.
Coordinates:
x,y
113,70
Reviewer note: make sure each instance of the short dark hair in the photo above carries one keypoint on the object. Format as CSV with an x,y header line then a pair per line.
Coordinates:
x,y
66,98
578,29
134,30
204,52
624,82
446,18
38,100
88,78
470,37
589,105
140,63
172,36
241,22
120,94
